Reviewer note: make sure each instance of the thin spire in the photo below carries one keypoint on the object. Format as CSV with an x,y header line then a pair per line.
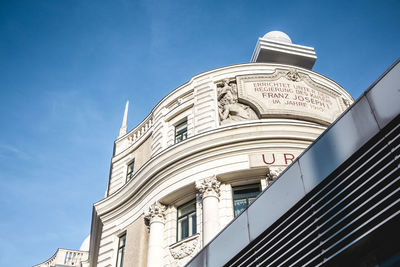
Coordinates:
x,y
122,131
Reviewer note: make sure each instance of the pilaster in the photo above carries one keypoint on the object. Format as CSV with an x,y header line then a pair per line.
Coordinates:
x,y
156,217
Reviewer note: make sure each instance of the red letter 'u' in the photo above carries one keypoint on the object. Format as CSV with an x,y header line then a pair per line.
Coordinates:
x,y
269,163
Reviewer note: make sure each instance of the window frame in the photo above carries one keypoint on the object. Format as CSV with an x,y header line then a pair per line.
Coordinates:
x,y
129,174
120,260
183,134
241,187
187,215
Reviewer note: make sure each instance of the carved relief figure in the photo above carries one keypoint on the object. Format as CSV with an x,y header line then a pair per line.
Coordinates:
x,y
229,109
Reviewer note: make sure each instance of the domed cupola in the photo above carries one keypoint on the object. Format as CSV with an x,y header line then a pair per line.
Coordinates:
x,y
277,47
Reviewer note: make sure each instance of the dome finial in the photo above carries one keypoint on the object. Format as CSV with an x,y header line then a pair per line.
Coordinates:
x,y
278,36
277,47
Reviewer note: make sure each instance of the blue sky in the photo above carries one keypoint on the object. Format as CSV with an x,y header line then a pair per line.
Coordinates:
x,y
67,68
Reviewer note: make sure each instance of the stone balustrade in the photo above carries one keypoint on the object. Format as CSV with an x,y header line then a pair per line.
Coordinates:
x,y
140,130
135,135
65,257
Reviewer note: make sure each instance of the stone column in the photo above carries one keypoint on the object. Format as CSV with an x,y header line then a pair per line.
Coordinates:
x,y
156,217
209,191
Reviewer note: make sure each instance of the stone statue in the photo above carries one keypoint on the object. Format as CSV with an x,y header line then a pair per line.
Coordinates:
x,y
229,109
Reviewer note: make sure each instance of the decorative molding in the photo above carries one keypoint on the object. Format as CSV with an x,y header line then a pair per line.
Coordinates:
x,y
214,139
209,186
346,102
272,174
293,75
156,213
184,248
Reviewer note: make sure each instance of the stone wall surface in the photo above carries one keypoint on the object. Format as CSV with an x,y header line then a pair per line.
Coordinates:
x,y
136,244
140,154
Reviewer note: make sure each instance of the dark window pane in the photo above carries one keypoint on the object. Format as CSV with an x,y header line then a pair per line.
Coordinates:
x,y
194,224
186,209
247,192
181,132
122,241
186,221
129,172
251,200
239,205
243,196
121,251
184,228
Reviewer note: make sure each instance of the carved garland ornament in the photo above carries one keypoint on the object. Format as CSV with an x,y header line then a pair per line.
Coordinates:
x,y
185,249
156,212
208,186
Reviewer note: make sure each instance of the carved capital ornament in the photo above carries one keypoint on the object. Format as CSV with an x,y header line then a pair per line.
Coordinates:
x,y
272,174
209,186
156,213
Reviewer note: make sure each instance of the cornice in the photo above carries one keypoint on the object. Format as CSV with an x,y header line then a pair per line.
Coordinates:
x,y
142,184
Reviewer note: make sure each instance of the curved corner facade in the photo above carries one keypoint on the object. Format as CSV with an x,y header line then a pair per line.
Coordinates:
x,y
202,155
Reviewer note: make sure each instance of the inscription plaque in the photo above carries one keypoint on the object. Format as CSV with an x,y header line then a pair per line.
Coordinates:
x,y
289,94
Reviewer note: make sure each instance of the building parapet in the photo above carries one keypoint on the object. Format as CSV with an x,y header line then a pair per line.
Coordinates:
x,y
134,136
65,257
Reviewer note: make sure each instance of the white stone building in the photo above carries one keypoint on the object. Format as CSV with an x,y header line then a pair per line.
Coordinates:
x,y
206,151
68,257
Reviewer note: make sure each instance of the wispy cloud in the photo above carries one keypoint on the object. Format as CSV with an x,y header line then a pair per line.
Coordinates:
x,y
7,151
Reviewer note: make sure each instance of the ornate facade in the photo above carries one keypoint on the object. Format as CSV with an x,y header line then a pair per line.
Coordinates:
x,y
205,152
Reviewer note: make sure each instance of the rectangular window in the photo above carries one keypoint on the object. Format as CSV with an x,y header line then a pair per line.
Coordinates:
x,y
121,251
180,132
129,171
186,220
244,196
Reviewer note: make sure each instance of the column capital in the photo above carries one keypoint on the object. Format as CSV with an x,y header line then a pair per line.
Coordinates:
x,y
208,186
272,174
156,213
